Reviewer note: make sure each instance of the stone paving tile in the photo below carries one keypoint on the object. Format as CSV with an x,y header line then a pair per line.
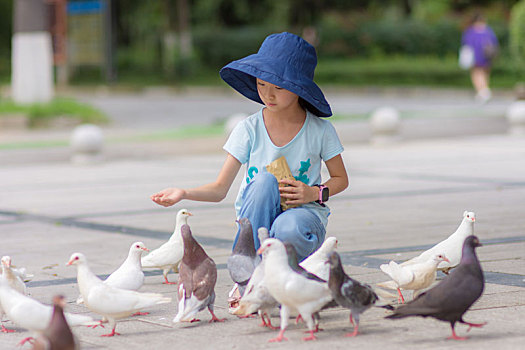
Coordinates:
x,y
404,197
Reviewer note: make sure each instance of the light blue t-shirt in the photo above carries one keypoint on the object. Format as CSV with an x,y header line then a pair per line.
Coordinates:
x,y
317,141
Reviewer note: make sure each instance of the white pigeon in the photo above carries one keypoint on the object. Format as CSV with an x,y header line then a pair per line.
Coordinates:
x,y
450,247
316,262
256,297
14,280
129,275
111,302
22,273
169,255
293,290
414,277
31,314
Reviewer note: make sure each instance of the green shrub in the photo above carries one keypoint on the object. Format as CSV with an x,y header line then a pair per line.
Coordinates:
x,y
386,37
216,47
517,32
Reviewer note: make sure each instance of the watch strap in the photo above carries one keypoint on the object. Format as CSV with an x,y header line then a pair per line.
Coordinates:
x,y
320,198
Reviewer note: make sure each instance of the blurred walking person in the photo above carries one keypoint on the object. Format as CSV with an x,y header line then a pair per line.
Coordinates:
x,y
484,44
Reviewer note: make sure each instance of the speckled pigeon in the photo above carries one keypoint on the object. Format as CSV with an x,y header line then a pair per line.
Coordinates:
x,y
454,295
348,292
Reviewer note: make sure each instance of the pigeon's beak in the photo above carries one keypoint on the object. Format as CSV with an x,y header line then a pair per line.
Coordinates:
x,y
70,262
145,249
190,214
260,250
446,259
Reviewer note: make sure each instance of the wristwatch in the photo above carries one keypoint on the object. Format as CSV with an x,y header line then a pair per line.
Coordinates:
x,y
324,194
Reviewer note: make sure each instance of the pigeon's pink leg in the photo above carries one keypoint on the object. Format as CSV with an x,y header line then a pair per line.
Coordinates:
x,y
248,316
267,324
311,337
263,322
214,318
477,325
279,338
167,282
351,319
400,299
454,336
31,340
298,318
96,325
354,333
138,313
5,330
113,333
194,320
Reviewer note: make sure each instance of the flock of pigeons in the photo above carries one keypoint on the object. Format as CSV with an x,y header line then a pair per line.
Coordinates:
x,y
265,279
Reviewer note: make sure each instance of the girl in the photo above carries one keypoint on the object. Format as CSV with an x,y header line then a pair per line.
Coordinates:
x,y
279,76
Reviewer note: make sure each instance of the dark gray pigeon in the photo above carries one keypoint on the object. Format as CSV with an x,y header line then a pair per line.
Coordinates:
x,y
454,295
57,335
197,278
244,259
293,261
348,292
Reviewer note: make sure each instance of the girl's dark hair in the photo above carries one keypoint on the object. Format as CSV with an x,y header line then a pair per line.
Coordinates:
x,y
477,17
304,105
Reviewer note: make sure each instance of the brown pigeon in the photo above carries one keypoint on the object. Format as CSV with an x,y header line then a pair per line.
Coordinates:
x,y
57,335
454,295
197,277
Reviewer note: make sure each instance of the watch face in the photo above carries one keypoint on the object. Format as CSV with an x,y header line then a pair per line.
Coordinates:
x,y
325,194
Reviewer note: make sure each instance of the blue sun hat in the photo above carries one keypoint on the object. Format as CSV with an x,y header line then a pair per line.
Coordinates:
x,y
285,60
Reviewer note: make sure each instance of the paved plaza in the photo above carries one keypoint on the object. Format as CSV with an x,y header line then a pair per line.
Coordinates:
x,y
403,198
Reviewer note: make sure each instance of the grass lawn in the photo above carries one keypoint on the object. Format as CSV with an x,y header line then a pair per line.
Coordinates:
x,y
40,113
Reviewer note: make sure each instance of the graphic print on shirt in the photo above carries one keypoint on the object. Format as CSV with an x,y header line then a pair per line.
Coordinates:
x,y
305,165
251,173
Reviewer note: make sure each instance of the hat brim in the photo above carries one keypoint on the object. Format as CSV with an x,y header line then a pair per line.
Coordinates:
x,y
241,75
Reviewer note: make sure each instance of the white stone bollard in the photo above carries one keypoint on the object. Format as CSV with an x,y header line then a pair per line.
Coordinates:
x,y
385,123
233,120
516,117
86,144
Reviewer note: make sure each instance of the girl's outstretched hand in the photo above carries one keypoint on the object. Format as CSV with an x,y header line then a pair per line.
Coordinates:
x,y
297,192
167,197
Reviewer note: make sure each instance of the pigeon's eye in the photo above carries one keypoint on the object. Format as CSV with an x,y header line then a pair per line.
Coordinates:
x,y
76,257
137,246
